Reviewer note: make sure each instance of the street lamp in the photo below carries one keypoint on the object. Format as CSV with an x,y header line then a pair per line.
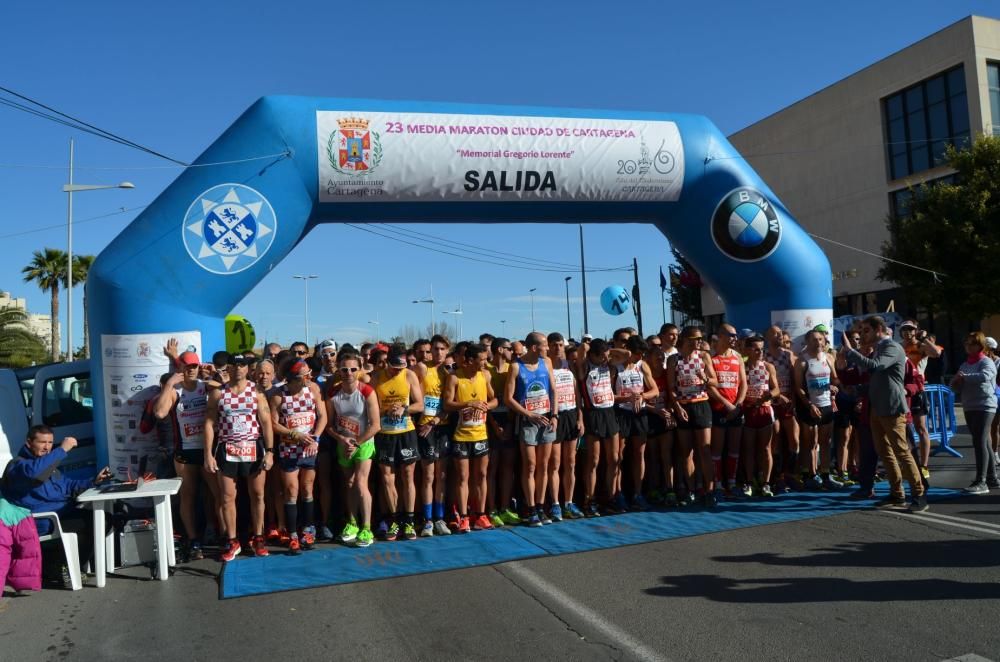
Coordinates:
x,y
569,327
69,190
532,291
305,280
429,300
503,327
458,314
374,323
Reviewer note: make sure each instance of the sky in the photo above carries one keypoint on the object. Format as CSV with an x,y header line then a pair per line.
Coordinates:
x,y
173,76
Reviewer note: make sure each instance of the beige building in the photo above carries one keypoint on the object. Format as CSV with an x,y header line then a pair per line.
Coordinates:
x,y
40,325
843,158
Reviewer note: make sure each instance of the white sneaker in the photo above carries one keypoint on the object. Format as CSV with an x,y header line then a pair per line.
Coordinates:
x,y
441,528
427,530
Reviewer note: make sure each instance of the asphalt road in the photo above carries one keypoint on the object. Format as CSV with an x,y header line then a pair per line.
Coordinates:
x,y
865,585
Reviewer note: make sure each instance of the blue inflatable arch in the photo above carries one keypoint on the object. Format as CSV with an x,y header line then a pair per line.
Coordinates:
x,y
216,231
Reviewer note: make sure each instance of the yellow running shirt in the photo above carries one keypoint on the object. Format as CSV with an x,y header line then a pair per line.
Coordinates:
x,y
471,422
391,392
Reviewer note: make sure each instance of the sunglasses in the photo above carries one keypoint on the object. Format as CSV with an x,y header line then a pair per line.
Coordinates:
x,y
449,366
301,352
329,355
696,337
348,371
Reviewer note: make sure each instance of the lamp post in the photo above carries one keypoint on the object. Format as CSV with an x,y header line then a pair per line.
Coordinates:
x,y
458,314
429,300
305,280
69,190
374,323
532,292
569,326
503,327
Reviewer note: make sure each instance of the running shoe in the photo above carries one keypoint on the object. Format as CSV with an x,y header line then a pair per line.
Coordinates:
x,y
365,538
590,509
194,551
441,528
464,525
719,495
324,534
534,520
996,456
670,500
427,530
655,497
891,502
308,539
509,517
409,531
861,495
258,546
766,492
573,511
977,489
993,485
639,503
349,534
925,472
747,490
710,500
830,483
543,516
482,523
273,536
815,483
495,520
919,505
294,549
620,502
392,532
688,500
283,537
382,530
556,513
846,480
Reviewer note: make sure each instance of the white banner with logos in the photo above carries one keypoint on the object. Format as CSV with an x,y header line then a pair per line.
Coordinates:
x,y
132,368
389,157
797,322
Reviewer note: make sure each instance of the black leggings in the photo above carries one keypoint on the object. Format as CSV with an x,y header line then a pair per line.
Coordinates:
x,y
979,427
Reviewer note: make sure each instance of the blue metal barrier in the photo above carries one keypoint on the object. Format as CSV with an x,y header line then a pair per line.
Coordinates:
x,y
941,423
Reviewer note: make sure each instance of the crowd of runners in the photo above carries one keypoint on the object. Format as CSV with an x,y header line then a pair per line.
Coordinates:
x,y
392,442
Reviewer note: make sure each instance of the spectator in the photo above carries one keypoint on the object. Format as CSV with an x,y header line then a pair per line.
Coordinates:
x,y
976,383
20,551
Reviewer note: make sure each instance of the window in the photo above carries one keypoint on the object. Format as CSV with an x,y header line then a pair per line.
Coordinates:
x,y
899,201
993,74
68,401
922,120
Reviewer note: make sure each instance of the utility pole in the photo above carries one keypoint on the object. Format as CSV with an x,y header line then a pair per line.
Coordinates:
x,y
583,280
636,306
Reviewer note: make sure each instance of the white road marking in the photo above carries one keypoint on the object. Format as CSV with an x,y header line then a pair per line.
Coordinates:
x,y
930,517
965,520
535,584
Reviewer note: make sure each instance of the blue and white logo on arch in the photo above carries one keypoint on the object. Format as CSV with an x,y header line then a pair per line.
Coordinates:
x,y
228,228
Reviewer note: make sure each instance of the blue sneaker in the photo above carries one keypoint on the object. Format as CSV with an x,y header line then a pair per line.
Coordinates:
x,y
591,510
620,504
324,533
556,513
639,503
540,511
383,529
534,520
573,512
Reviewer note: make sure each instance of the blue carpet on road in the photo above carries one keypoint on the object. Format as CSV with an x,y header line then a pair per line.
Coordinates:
x,y
328,564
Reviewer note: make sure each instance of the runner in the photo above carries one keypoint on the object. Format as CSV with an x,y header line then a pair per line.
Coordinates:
x,y
786,427
529,393
469,393
594,374
919,349
433,437
299,419
274,508
327,380
727,412
486,340
503,448
183,401
662,426
633,387
239,416
353,421
689,376
569,430
399,397
815,385
758,416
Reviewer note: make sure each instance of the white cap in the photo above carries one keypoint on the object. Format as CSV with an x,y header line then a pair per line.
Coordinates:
x,y
991,342
587,336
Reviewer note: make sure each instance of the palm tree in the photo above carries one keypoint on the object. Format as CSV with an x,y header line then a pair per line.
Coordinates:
x,y
48,270
81,267
18,346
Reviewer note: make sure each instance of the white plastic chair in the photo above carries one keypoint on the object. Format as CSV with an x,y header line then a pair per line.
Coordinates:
x,y
70,547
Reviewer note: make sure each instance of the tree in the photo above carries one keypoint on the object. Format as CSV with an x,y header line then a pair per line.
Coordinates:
x,y
410,333
951,228
48,270
19,347
685,287
81,269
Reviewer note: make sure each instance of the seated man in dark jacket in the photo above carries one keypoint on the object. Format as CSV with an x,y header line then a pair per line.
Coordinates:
x,y
32,480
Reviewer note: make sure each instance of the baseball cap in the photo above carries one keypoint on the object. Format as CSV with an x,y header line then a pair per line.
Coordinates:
x,y
298,368
747,333
327,344
239,359
587,336
908,324
382,347
188,358
396,358
822,328
991,342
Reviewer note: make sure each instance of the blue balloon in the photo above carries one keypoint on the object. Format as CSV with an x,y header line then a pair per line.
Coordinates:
x,y
615,300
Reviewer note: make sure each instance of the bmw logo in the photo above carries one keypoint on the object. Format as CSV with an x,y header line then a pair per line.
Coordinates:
x,y
228,228
745,226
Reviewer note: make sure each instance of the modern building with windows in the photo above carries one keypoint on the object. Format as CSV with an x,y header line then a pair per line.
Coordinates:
x,y
844,158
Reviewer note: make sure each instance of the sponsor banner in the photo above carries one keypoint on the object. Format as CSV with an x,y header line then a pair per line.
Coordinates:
x,y
387,157
797,322
847,322
132,368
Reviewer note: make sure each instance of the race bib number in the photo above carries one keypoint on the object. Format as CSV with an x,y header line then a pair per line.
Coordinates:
x,y
193,430
394,423
565,398
537,404
349,427
729,380
241,452
470,417
302,422
819,384
602,396
690,385
432,405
